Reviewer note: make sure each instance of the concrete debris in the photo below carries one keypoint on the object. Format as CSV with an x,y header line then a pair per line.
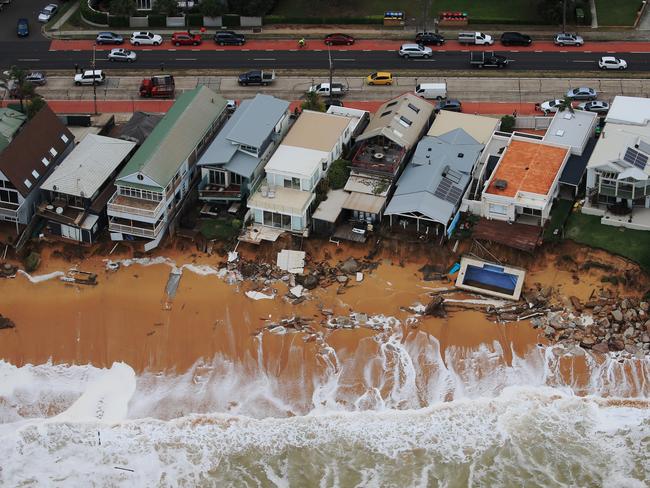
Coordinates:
x,y
359,276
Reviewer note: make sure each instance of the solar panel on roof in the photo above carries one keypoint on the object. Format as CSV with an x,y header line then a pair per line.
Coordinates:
x,y
635,158
447,191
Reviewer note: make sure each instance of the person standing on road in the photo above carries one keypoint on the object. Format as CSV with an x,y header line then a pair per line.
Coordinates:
x,y
301,42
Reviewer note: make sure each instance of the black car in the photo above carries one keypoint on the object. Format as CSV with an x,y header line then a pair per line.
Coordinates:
x,y
109,38
229,37
429,38
515,39
22,28
450,104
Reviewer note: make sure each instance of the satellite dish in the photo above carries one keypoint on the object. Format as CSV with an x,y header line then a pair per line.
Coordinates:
x,y
59,210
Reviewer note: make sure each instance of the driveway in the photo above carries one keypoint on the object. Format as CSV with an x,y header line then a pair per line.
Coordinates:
x,y
28,9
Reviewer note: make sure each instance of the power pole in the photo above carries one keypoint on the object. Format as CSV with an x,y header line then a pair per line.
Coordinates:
x,y
329,54
94,80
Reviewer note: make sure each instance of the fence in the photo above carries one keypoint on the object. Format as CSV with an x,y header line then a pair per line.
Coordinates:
x,y
532,122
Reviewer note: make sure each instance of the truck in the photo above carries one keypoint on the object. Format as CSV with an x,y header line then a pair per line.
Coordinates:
x,y
256,77
323,89
477,38
158,86
481,59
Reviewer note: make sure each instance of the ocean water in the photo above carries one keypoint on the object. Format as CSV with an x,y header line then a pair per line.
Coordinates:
x,y
396,413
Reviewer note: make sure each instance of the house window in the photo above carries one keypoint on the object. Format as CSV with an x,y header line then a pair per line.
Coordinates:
x,y
8,196
45,162
217,178
248,149
53,151
292,183
64,138
35,174
531,211
236,179
273,219
28,183
498,209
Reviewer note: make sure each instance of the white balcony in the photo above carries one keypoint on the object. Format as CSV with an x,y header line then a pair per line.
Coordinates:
x,y
123,206
148,232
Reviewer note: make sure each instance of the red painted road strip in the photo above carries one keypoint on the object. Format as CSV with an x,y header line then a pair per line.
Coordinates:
x,y
128,106
361,45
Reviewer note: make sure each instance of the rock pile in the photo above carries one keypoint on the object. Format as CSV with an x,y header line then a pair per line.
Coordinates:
x,y
6,323
603,324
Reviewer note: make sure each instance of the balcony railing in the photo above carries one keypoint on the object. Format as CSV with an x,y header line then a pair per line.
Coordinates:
x,y
7,212
134,206
219,192
136,231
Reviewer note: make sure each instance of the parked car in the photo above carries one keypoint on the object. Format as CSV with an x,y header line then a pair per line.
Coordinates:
x,y
340,39
158,86
231,105
595,106
550,106
48,12
414,51
229,38
90,77
582,93
36,78
145,39
477,38
323,89
121,54
431,91
451,105
515,39
256,77
380,78
186,39
22,28
109,38
429,38
610,62
565,39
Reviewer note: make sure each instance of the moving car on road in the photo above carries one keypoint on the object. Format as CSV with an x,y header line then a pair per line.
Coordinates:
x,y
610,62
90,77
36,78
451,105
186,39
380,78
515,39
550,106
414,51
595,106
22,28
340,39
480,59
582,93
121,54
48,12
145,39
229,38
109,38
429,38
565,39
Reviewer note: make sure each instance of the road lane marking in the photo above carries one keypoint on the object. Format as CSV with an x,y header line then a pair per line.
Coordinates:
x,y
367,50
344,59
264,59
425,60
269,50
582,61
29,59
186,59
245,49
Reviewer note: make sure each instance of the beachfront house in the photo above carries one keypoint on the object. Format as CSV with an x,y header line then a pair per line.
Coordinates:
x,y
429,191
76,193
284,198
618,173
233,164
27,160
152,188
139,127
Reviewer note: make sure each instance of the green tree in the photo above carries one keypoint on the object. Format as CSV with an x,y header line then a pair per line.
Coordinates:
x,y
166,7
211,8
313,102
35,105
252,7
566,104
338,174
122,7
507,123
551,11
15,83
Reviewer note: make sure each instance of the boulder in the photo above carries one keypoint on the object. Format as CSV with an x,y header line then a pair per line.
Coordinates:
x,y
601,347
616,344
631,315
6,323
644,306
629,332
647,326
577,304
617,315
350,266
604,322
549,331
588,341
310,282
625,304
342,279
645,337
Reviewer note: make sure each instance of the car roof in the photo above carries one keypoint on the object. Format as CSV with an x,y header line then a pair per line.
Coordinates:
x,y
609,58
382,73
417,46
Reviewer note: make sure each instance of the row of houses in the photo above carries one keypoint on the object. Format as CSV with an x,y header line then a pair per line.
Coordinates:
x,y
409,168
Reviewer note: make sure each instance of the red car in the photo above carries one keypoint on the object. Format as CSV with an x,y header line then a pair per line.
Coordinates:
x,y
343,39
186,39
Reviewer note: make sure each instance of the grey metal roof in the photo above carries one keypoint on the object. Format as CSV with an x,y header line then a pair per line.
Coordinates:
x,y
575,167
139,126
437,176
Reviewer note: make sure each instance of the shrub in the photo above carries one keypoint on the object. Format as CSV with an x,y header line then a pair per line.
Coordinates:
x,y
507,123
118,21
338,174
92,15
32,261
236,224
157,20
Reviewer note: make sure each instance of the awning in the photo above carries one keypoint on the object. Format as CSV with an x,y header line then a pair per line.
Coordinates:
x,y
330,209
364,203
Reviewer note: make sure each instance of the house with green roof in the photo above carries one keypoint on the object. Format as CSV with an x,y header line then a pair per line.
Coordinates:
x,y
10,121
152,187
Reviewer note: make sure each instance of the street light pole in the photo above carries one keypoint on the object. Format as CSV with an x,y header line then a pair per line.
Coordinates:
x,y
94,81
329,54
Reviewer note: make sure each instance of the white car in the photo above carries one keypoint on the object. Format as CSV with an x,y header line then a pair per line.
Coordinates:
x,y
145,39
595,106
565,39
610,62
48,12
550,106
121,54
415,51
90,77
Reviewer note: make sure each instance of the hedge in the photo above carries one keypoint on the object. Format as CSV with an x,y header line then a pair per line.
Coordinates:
x,y
157,20
93,15
194,20
230,20
118,21
281,19
496,21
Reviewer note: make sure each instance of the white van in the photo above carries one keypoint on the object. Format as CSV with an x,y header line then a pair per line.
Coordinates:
x,y
431,90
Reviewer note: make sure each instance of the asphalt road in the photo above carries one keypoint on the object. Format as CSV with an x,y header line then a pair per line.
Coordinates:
x,y
35,55
27,9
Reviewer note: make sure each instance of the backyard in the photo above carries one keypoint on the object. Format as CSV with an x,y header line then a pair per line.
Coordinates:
x,y
621,12
221,229
632,244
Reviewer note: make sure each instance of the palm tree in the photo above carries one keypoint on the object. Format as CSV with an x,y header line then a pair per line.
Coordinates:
x,y
566,104
16,85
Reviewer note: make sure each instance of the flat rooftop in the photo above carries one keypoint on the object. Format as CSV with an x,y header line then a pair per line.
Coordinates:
x,y
529,167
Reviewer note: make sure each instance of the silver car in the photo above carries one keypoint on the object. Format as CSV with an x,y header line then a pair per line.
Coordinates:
x,y
48,12
582,93
414,51
36,78
121,54
595,106
565,39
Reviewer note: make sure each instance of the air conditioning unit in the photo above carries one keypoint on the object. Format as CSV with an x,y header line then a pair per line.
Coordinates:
x,y
501,184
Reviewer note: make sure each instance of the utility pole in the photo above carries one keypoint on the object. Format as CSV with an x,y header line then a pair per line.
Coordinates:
x,y
329,54
563,15
94,80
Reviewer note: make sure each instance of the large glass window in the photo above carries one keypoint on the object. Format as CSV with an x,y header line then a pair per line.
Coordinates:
x,y
292,183
217,178
8,196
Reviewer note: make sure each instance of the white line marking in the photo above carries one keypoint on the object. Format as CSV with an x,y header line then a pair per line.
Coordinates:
x,y
588,52
638,52
77,50
195,50
29,59
424,60
245,49
367,50
581,61
186,59
564,51
171,49
539,51
344,59
263,59
269,50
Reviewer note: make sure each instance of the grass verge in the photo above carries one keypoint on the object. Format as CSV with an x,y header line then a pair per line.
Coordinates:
x,y
620,12
632,244
219,229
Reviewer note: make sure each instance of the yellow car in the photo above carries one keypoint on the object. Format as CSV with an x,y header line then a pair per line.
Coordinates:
x,y
380,78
